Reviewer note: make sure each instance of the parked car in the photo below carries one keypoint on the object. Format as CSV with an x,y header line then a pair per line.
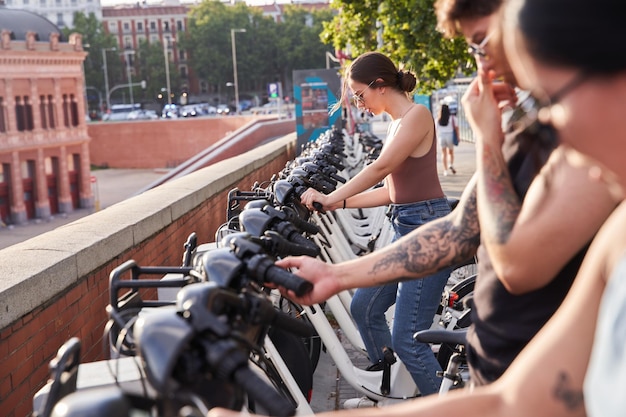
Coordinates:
x,y
142,115
189,110
170,111
245,105
223,109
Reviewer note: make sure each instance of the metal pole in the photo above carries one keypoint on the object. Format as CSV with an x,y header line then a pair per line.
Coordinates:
x,y
106,76
129,75
167,71
234,50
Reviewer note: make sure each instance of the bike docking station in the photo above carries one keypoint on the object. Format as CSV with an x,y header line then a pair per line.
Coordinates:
x,y
212,332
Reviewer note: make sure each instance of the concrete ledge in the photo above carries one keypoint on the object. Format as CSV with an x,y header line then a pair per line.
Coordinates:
x,y
35,271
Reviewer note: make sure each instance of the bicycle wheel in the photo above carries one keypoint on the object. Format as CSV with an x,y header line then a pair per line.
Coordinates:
x,y
313,343
296,357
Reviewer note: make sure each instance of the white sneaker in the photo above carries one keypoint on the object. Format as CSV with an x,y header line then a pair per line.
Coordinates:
x,y
362,402
445,172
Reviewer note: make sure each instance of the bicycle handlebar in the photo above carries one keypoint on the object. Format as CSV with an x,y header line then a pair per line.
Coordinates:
x,y
258,390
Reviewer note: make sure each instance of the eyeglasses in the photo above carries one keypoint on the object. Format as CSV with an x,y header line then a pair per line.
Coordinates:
x,y
479,49
532,115
357,98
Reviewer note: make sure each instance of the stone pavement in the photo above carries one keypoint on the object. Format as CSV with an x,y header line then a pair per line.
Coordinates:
x,y
330,390
111,186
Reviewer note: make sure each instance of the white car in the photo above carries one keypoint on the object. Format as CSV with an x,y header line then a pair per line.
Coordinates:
x,y
223,109
142,115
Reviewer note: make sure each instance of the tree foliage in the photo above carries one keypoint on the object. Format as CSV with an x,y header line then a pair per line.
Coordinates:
x,y
266,52
95,40
405,30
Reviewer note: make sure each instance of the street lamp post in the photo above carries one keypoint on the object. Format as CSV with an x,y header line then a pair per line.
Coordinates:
x,y
106,75
127,54
232,40
167,70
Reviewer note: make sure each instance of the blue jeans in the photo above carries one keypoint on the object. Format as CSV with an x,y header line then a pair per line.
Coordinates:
x,y
416,304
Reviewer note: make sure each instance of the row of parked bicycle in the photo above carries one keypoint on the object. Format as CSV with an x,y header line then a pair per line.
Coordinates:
x,y
214,331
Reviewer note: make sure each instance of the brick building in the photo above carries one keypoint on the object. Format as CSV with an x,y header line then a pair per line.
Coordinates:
x,y
132,24
44,146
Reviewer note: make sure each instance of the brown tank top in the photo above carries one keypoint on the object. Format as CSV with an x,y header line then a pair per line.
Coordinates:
x,y
416,179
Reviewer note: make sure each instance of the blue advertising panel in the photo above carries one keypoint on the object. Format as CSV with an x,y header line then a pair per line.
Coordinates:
x,y
315,92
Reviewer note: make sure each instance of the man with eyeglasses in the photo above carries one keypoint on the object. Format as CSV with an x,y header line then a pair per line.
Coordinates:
x,y
528,254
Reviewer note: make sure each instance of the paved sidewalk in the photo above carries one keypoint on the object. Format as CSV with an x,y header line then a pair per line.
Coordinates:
x,y
111,186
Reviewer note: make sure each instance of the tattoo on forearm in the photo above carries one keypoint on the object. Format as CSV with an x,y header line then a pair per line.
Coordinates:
x,y
503,205
436,245
563,392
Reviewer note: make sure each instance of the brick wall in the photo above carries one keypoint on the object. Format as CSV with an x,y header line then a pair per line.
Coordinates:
x,y
162,143
30,342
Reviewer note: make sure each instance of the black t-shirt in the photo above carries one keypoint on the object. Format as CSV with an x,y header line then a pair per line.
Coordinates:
x,y
503,323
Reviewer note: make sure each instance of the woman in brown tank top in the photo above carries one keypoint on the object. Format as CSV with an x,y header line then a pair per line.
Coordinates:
x,y
407,164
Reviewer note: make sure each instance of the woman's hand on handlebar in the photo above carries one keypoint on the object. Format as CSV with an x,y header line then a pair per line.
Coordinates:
x,y
321,274
311,196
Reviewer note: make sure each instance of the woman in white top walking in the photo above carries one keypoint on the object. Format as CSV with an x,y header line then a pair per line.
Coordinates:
x,y
446,127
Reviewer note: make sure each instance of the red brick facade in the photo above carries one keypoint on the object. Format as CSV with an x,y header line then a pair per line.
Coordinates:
x,y
44,152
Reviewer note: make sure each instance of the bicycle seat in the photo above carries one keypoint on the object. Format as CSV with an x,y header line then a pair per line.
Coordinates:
x,y
457,337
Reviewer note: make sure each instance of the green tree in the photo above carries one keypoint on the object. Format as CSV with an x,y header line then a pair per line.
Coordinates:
x,y
95,40
150,66
405,30
266,52
299,44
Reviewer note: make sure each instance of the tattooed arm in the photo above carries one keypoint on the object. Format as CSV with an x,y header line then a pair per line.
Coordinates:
x,y
530,243
447,241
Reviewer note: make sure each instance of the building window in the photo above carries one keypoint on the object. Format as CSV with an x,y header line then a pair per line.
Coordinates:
x,y
204,87
128,42
126,27
181,54
73,110
28,112
42,112
183,72
166,26
42,3
25,2
153,27
3,120
66,111
51,118
60,19
139,25
74,3
23,114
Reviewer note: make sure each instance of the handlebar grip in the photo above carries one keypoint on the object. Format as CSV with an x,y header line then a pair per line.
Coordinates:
x,y
304,246
288,280
264,394
338,178
319,207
